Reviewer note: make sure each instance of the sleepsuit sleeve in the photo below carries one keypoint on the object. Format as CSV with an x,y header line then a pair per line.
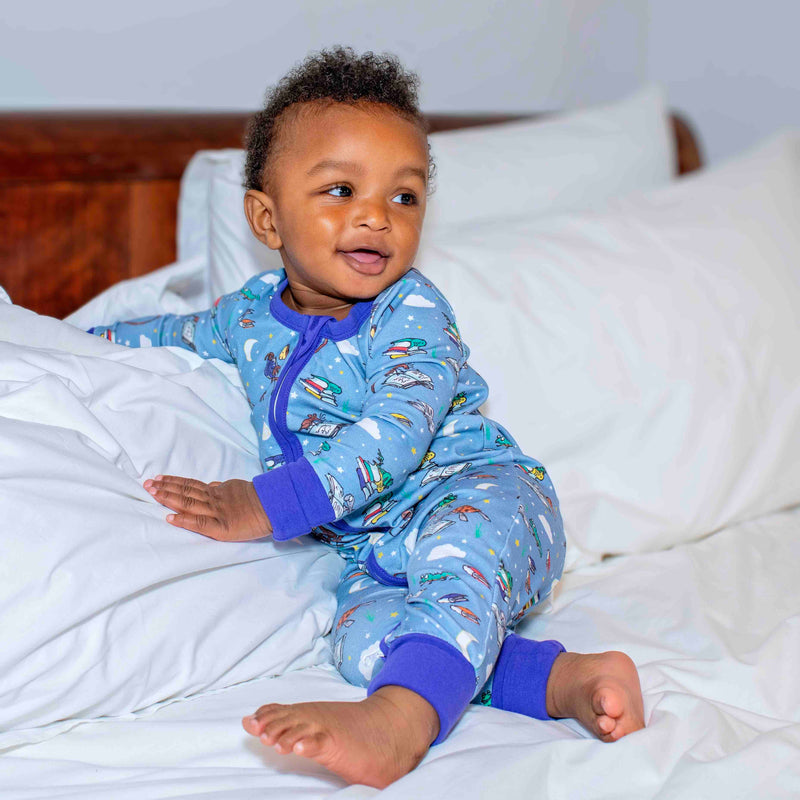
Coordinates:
x,y
207,333
414,358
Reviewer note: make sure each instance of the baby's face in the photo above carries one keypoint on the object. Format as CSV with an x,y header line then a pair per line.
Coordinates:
x,y
347,192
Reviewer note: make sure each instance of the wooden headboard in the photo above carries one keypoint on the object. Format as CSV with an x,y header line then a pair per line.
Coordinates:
x,y
89,199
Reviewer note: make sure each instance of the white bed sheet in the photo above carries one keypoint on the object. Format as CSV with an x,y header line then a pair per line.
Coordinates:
x,y
714,626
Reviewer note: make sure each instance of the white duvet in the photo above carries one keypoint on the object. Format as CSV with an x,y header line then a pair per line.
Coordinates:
x,y
713,625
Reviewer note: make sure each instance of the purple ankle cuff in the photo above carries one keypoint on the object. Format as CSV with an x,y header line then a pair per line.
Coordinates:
x,y
434,670
521,673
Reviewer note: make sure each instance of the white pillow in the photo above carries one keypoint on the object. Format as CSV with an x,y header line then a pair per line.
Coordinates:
x,y
648,355
572,160
105,608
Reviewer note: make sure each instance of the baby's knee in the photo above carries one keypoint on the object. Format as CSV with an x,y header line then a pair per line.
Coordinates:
x,y
357,662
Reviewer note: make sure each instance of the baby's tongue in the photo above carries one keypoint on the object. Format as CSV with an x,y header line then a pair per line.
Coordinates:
x,y
365,256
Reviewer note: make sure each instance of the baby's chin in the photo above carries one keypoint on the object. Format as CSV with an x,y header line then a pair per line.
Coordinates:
x,y
368,287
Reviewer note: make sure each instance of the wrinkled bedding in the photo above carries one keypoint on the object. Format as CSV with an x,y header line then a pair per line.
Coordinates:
x,y
713,625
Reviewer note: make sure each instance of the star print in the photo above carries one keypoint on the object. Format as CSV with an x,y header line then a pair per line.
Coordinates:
x,y
293,395
410,317
337,359
339,469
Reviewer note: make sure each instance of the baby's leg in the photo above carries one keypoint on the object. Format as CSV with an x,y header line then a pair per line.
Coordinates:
x,y
374,741
539,679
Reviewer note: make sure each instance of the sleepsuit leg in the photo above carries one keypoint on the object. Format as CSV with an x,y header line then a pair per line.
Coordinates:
x,y
489,544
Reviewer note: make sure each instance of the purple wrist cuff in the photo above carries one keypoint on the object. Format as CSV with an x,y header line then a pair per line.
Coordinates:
x,y
294,499
433,669
521,673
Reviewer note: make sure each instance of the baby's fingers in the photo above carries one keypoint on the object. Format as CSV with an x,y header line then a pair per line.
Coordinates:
x,y
180,502
198,523
173,483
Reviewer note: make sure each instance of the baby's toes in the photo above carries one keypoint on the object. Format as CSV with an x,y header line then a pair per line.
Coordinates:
x,y
285,742
605,726
310,744
252,725
265,719
608,702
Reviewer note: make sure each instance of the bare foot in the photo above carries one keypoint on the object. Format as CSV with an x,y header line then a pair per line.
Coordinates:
x,y
600,690
373,742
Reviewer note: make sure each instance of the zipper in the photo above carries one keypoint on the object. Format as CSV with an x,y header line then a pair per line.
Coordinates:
x,y
290,445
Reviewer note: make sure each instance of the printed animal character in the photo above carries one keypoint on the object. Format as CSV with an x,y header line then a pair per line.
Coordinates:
x,y
427,459
321,388
536,472
247,294
445,501
272,368
372,476
431,577
458,400
502,441
401,348
318,425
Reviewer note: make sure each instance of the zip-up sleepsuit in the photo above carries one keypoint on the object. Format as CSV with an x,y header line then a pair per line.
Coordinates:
x,y
372,441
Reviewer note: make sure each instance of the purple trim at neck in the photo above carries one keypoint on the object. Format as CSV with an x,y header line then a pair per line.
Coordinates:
x,y
334,329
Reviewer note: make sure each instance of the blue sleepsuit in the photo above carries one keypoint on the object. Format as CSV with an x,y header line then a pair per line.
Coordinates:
x,y
372,442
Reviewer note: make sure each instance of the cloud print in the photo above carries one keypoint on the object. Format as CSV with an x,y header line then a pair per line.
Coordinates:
x,y
371,427
445,550
347,348
419,301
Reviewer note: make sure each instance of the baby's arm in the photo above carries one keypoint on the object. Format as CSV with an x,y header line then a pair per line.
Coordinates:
x,y
204,332
412,374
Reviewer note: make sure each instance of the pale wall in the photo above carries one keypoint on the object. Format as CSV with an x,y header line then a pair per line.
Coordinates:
x,y
734,70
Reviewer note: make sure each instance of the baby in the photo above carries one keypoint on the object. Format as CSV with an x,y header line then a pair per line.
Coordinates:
x,y
372,441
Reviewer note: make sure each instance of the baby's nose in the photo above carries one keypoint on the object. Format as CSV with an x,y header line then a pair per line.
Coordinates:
x,y
373,213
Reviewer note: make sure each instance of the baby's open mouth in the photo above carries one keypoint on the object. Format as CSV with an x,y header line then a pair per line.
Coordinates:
x,y
365,256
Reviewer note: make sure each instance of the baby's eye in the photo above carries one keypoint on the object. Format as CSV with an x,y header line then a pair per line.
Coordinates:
x,y
340,191
406,198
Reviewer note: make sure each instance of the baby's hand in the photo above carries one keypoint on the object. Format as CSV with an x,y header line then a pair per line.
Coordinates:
x,y
227,512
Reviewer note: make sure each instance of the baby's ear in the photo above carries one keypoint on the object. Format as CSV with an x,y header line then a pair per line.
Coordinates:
x,y
259,210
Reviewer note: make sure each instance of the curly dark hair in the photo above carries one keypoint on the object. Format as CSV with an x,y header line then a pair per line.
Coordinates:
x,y
339,76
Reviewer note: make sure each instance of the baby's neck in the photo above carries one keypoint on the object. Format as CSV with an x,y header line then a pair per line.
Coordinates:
x,y
305,302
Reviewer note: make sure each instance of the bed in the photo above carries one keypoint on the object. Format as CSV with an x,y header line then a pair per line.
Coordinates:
x,y
661,310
